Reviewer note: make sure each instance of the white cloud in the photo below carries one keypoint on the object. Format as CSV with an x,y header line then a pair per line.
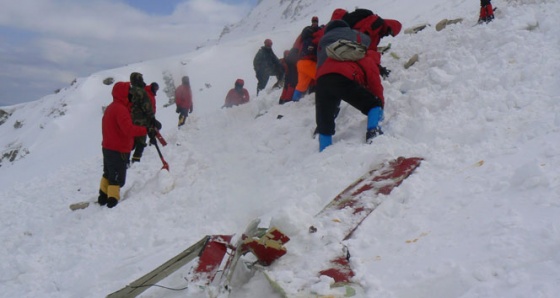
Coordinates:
x,y
78,37
210,11
61,52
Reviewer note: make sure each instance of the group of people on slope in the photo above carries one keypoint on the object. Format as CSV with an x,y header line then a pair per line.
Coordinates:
x,y
307,68
130,119
295,71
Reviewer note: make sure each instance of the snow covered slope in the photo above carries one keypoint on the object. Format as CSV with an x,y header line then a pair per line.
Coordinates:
x,y
479,218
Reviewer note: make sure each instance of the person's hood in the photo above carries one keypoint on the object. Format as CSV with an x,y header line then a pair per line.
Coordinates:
x,y
338,14
120,93
394,25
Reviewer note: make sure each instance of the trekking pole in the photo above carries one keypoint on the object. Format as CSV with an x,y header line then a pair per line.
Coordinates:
x,y
165,165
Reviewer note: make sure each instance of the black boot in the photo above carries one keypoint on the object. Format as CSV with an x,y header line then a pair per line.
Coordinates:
x,y
372,133
112,202
102,198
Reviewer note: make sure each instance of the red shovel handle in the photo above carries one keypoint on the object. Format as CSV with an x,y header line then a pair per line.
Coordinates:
x,y
165,164
161,139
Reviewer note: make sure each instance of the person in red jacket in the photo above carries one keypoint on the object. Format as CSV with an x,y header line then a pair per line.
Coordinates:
x,y
486,12
152,90
289,63
356,82
183,99
237,95
118,138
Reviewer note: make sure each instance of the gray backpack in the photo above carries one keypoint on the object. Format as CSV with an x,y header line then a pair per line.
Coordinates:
x,y
346,50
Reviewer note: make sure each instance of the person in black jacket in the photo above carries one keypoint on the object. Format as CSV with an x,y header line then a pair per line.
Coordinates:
x,y
267,64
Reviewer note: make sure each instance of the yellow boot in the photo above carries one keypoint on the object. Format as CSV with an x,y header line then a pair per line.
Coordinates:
x,y
103,185
113,193
182,119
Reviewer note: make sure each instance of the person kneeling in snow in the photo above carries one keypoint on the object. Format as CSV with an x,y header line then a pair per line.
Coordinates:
x,y
237,95
356,82
118,138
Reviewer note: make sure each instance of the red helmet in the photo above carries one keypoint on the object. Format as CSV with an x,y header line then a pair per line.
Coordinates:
x,y
239,82
268,43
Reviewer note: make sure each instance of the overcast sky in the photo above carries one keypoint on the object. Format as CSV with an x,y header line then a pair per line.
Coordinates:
x,y
45,44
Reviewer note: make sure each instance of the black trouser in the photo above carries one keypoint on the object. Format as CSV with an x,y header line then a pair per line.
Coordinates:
x,y
114,166
139,145
331,89
263,76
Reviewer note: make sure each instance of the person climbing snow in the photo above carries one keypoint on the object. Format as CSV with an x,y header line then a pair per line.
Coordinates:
x,y
356,82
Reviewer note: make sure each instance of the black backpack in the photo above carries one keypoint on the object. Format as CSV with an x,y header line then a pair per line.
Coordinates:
x,y
352,18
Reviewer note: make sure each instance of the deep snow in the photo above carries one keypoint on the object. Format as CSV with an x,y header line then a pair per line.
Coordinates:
x,y
479,218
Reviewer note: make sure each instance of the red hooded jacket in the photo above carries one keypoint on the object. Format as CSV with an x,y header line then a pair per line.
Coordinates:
x,y
377,28
360,71
234,98
183,97
237,95
116,126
